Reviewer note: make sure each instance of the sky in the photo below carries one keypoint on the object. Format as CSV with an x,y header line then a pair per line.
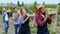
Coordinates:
x,y
31,1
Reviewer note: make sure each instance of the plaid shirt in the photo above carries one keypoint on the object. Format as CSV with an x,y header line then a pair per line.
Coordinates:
x,y
40,20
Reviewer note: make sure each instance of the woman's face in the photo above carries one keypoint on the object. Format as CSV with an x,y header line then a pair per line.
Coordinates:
x,y
23,11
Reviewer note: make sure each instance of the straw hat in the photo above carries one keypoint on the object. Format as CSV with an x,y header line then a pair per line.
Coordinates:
x,y
8,10
39,6
4,9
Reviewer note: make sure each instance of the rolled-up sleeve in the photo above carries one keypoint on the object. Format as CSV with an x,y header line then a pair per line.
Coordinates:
x,y
39,21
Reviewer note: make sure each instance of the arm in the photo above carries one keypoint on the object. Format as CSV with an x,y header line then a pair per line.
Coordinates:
x,y
26,19
39,22
3,14
16,17
49,21
23,21
13,16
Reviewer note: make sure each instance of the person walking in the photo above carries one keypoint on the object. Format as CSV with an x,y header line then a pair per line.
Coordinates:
x,y
25,28
42,19
18,19
5,20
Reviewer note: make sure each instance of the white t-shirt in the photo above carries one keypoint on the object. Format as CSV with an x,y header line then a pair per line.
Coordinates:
x,y
6,16
42,15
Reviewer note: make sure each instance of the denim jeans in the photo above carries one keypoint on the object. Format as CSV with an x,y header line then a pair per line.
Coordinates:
x,y
6,23
17,26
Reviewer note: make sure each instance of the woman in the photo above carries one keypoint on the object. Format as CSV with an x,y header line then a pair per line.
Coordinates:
x,y
25,29
42,20
6,20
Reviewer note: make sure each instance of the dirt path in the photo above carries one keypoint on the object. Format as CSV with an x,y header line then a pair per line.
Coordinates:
x,y
11,27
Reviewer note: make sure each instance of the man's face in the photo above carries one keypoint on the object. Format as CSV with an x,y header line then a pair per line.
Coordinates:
x,y
41,10
15,9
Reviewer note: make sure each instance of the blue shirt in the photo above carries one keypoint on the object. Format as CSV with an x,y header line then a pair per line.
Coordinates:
x,y
21,19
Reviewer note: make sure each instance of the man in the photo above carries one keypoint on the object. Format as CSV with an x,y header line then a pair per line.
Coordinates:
x,y
18,20
42,19
6,20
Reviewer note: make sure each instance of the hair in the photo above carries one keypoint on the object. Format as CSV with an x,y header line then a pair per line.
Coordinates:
x,y
14,8
22,9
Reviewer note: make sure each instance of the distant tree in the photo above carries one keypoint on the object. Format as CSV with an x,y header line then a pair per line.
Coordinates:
x,y
59,8
18,3
58,3
35,3
22,3
33,7
43,3
7,4
11,3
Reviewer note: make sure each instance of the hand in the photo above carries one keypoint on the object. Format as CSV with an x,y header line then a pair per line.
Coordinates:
x,y
16,17
46,17
50,16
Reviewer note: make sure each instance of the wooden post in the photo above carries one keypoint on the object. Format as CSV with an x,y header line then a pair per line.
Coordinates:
x,y
55,23
33,21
